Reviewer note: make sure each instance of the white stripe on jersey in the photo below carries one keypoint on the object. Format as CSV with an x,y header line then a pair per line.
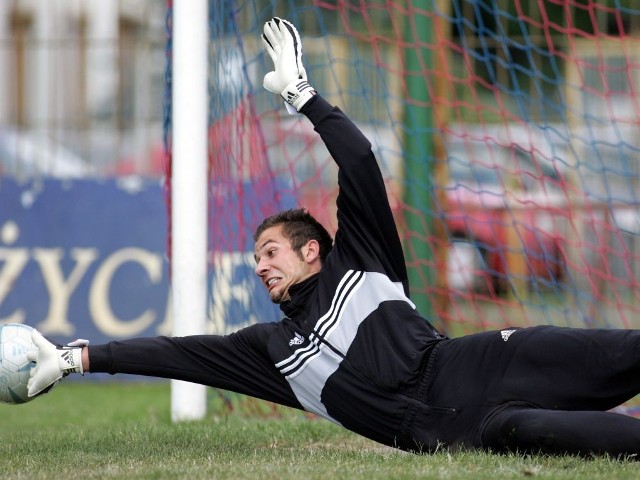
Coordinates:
x,y
358,295
343,290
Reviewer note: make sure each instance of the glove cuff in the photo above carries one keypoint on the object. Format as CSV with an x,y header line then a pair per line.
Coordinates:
x,y
70,360
298,93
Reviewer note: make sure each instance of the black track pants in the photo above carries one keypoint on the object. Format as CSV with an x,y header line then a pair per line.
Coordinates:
x,y
560,432
533,389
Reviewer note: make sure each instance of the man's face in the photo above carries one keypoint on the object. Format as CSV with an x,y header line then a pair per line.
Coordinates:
x,y
278,265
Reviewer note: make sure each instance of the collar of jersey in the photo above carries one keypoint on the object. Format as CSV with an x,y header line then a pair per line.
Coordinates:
x,y
299,293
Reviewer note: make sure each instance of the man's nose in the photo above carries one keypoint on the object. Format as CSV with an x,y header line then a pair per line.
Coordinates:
x,y
261,267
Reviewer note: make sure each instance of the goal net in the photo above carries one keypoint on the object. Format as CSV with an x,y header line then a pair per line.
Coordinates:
x,y
508,135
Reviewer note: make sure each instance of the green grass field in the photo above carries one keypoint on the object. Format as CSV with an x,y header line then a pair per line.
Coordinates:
x,y
116,430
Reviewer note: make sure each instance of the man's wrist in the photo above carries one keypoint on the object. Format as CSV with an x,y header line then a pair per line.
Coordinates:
x,y
85,359
298,93
70,360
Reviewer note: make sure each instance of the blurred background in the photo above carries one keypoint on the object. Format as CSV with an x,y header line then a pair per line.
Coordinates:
x,y
83,215
83,88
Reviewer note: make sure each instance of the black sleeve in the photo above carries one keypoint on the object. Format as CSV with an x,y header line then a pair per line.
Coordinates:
x,y
236,362
366,228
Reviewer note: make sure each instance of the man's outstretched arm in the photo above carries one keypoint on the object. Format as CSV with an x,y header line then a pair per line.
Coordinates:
x,y
364,213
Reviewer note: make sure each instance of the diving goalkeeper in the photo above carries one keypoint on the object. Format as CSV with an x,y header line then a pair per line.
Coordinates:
x,y
353,349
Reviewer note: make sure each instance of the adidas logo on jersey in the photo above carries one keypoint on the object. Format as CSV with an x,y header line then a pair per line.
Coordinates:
x,y
297,340
506,334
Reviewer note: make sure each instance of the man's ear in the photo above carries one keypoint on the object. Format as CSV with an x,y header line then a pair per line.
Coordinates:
x,y
311,251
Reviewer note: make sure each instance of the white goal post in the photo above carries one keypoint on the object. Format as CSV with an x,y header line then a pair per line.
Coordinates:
x,y
189,190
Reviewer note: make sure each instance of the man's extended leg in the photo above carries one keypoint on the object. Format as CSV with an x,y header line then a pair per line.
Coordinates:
x,y
530,430
540,368
546,367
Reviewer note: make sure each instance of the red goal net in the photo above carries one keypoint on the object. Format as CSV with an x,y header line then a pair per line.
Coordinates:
x,y
507,131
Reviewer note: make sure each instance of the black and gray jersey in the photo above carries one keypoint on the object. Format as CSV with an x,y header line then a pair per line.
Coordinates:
x,y
351,348
318,353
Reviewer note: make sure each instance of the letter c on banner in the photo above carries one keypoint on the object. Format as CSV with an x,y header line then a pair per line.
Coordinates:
x,y
99,307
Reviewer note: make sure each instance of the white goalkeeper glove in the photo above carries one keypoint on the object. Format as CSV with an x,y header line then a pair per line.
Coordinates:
x,y
52,363
289,78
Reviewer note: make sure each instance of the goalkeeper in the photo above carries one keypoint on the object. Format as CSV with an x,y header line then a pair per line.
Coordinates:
x,y
353,349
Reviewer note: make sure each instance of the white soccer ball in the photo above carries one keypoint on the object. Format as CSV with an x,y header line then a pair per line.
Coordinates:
x,y
15,342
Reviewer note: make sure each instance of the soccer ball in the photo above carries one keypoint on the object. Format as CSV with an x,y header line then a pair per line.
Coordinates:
x,y
15,342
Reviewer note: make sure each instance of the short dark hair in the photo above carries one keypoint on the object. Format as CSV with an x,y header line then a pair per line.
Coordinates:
x,y
298,226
